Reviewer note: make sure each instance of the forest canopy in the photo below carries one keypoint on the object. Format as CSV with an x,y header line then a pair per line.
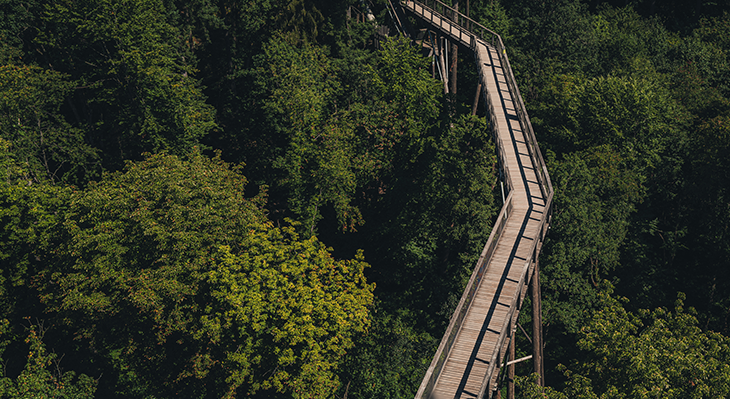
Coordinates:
x,y
217,198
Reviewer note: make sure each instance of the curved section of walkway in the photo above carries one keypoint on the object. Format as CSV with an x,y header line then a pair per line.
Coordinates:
x,y
467,361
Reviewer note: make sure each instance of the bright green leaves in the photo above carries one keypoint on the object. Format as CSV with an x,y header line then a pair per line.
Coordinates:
x,y
144,238
303,83
658,354
139,246
294,306
180,284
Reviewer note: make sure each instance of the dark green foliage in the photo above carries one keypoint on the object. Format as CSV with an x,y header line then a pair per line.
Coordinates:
x,y
156,278
49,147
625,104
30,215
136,90
38,379
447,188
388,361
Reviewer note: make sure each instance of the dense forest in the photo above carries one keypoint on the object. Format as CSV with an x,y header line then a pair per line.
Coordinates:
x,y
219,198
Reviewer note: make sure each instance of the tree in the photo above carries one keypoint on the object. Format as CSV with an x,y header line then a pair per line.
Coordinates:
x,y
389,360
136,91
178,284
315,155
49,147
31,213
651,354
446,187
288,312
37,380
648,354
595,195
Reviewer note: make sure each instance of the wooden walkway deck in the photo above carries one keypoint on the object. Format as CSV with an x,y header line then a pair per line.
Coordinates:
x,y
467,362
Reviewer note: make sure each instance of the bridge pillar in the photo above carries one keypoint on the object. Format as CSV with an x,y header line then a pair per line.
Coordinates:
x,y
476,99
454,55
511,369
537,326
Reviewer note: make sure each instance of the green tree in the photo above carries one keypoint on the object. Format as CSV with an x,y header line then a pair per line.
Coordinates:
x,y
316,163
38,379
30,216
595,196
650,354
389,360
288,312
48,146
178,284
438,208
136,90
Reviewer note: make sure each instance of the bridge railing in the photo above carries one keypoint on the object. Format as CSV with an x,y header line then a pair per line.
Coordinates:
x,y
515,304
442,353
440,11
436,12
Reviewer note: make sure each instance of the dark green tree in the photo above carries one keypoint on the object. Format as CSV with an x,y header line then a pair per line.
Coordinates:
x,y
136,91
42,376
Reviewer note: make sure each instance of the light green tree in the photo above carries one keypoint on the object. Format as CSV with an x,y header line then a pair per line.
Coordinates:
x,y
177,281
648,354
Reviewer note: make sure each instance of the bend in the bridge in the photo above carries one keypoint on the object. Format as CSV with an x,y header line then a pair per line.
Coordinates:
x,y
466,364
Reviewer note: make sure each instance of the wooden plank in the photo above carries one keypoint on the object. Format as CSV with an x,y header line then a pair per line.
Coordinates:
x,y
497,288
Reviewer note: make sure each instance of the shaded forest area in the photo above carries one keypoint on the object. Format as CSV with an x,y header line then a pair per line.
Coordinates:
x,y
220,198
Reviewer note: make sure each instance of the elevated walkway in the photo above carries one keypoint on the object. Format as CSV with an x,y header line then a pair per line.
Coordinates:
x,y
468,359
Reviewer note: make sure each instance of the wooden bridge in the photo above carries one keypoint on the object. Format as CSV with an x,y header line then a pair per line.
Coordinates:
x,y
473,349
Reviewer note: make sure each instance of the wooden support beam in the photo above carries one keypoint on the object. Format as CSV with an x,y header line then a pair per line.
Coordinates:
x,y
454,47
511,369
537,326
444,73
476,99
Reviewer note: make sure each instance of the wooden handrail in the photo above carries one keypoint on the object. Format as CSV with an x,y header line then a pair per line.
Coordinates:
x,y
471,288
437,12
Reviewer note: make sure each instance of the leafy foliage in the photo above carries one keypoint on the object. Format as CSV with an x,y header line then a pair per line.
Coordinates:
x,y
37,380
30,118
161,267
157,278
290,308
138,94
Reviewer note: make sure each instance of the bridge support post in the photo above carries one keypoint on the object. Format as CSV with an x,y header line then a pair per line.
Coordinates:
x,y
476,99
537,326
454,47
511,369
443,58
